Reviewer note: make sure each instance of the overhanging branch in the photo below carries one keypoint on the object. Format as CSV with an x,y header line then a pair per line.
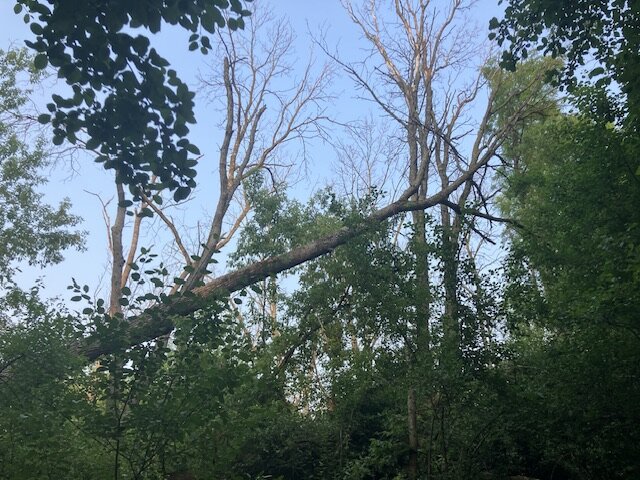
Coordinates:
x,y
157,321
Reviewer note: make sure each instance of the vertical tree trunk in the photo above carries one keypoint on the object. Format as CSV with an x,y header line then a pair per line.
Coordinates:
x,y
422,288
273,306
117,254
451,342
422,303
413,434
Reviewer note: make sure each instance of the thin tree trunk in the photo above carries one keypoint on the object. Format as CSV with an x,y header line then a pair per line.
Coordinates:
x,y
157,320
451,321
413,434
117,253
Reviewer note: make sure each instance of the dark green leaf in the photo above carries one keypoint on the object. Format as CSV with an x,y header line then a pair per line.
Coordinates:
x,y
40,61
181,193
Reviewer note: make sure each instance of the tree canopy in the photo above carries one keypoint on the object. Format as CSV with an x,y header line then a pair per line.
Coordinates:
x,y
32,230
582,32
126,103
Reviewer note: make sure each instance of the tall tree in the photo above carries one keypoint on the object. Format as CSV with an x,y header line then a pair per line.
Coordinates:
x,y
572,294
416,49
30,229
386,362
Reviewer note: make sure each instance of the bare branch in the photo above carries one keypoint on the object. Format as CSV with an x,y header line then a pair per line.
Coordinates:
x,y
169,223
133,248
157,321
251,80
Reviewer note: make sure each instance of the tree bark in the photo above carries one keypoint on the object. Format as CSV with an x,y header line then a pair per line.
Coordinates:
x,y
157,321
117,253
413,434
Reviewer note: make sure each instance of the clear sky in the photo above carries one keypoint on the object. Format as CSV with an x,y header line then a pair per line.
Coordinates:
x,y
87,179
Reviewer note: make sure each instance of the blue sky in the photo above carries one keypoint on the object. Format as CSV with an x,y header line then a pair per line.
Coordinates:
x,y
89,267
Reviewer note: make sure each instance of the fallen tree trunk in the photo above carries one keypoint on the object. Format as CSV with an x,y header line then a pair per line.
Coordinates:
x,y
157,320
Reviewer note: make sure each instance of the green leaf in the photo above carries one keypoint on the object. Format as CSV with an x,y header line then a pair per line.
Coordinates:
x,y
193,149
181,193
36,28
92,144
145,212
40,61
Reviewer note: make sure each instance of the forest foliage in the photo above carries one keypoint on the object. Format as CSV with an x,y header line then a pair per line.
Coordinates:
x,y
464,307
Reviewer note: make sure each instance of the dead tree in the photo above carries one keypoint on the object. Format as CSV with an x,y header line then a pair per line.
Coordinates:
x,y
253,135
420,72
261,117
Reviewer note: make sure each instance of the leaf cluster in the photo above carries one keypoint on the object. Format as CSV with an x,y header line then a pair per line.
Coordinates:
x,y
30,229
134,110
581,32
